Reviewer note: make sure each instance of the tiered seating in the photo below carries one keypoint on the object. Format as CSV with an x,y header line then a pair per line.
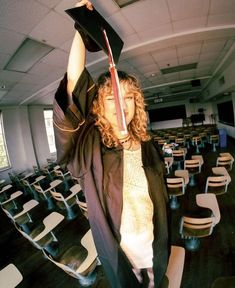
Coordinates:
x,y
195,137
31,219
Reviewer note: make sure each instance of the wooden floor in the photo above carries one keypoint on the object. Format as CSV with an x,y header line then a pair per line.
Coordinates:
x,y
216,257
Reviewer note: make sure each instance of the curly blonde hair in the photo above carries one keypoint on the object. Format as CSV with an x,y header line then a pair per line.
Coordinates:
x,y
138,126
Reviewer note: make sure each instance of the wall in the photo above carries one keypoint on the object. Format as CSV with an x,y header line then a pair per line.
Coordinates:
x,y
215,90
39,135
230,130
191,108
25,148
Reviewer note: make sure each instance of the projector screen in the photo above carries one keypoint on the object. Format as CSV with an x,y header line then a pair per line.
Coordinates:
x,y
167,113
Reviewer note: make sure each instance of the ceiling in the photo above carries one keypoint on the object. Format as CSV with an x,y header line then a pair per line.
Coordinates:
x,y
157,34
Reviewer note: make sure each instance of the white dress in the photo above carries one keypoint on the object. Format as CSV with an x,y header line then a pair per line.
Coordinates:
x,y
136,221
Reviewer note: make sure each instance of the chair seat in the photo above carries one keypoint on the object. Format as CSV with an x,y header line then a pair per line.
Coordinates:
x,y
208,200
196,233
175,266
74,257
184,174
221,171
224,282
10,276
79,261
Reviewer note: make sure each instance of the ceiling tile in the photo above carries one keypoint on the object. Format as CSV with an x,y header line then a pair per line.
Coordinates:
x,y
57,58
150,69
168,63
188,59
221,19
208,56
205,63
189,49
173,77
183,9
21,16
141,60
49,3
106,8
4,58
213,45
156,34
155,31
187,74
54,29
222,7
13,76
189,24
120,25
131,40
153,14
10,41
166,54
42,69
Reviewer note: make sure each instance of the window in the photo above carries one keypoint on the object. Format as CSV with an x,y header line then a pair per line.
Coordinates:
x,y
48,116
4,158
226,113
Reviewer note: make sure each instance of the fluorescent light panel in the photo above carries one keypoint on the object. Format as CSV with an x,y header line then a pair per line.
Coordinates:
x,y
123,3
28,54
179,68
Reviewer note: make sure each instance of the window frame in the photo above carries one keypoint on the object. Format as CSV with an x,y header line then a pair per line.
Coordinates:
x,y
52,151
2,130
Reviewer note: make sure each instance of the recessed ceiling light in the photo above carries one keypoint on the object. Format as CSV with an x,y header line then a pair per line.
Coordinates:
x,y
27,55
179,68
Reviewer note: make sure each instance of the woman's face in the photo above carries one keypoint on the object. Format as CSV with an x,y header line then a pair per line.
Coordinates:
x,y
128,104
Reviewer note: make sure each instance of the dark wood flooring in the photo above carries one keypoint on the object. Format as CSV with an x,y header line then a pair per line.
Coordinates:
x,y
215,258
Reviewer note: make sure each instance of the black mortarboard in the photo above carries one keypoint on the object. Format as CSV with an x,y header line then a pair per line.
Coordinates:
x,y
90,25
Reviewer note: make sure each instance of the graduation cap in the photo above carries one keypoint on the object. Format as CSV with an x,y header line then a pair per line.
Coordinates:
x,y
90,25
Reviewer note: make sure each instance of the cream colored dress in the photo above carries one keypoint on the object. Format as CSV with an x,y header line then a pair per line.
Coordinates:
x,y
136,221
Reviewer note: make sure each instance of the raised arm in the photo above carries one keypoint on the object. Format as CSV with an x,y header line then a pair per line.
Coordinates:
x,y
76,62
73,100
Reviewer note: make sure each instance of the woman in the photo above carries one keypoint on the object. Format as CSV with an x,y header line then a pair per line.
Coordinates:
x,y
122,176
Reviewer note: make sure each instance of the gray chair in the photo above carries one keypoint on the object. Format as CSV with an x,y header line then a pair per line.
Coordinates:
x,y
217,184
175,188
193,228
10,276
78,261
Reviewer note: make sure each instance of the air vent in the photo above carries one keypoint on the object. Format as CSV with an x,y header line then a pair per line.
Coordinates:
x,y
196,83
180,88
179,68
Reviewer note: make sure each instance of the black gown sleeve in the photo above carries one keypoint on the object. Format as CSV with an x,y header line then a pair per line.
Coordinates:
x,y
67,118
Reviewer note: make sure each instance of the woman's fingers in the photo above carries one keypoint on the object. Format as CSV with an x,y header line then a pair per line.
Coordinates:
x,y
83,3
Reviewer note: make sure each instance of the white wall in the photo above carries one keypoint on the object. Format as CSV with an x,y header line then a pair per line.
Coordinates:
x,y
24,147
41,146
